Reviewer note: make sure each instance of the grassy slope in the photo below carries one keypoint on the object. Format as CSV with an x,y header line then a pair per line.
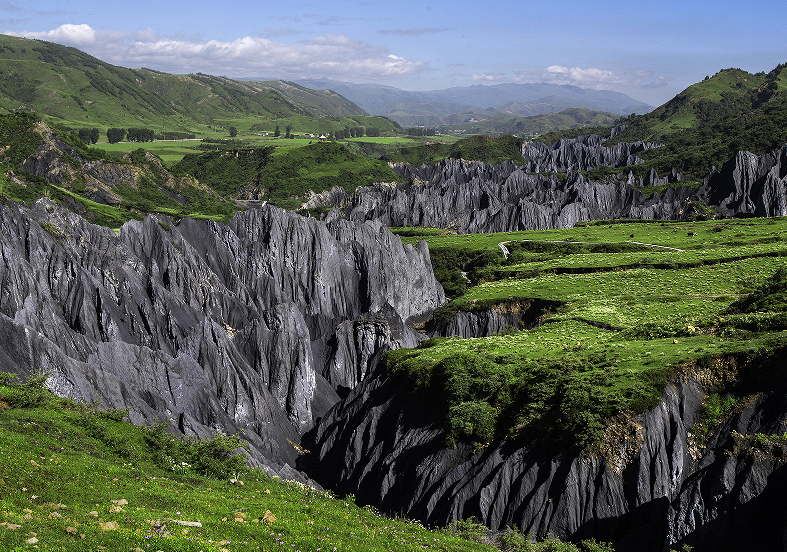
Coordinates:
x,y
286,176
477,148
566,378
532,126
73,478
70,87
62,466
154,188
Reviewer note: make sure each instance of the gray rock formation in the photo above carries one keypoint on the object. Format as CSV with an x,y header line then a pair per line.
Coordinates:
x,y
648,487
519,314
581,154
246,327
751,185
470,196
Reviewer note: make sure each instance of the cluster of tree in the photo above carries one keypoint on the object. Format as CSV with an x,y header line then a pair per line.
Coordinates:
x,y
88,135
171,135
421,131
353,132
287,134
115,135
140,135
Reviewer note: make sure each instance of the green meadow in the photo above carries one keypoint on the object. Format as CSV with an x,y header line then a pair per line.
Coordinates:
x,y
631,306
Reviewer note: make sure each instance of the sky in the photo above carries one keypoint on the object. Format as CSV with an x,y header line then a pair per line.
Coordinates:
x,y
648,50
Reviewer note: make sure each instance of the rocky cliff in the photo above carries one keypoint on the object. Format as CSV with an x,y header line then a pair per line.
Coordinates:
x,y
582,154
647,486
470,196
247,327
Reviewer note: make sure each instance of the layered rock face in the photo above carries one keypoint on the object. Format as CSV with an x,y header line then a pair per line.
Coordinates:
x,y
470,196
648,487
581,154
250,327
751,185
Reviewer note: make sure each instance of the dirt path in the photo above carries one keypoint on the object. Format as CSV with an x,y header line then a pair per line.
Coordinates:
x,y
506,253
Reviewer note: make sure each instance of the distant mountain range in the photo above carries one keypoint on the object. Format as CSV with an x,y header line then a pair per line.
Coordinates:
x,y
459,104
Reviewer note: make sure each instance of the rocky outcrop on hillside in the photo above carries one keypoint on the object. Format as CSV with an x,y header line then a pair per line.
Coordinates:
x,y
581,154
247,327
470,196
648,486
515,313
751,185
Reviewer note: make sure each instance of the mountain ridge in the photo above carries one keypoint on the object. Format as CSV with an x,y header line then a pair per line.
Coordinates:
x,y
436,107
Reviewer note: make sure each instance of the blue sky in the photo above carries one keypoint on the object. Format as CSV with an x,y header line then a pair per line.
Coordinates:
x,y
648,50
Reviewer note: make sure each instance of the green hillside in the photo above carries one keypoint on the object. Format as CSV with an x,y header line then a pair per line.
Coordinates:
x,y
74,478
496,124
477,148
70,87
709,122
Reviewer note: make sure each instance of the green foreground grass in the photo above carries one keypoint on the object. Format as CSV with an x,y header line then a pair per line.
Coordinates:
x,y
73,478
626,318
76,479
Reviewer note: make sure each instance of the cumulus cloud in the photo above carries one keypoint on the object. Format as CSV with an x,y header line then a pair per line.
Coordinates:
x,y
327,56
71,35
593,78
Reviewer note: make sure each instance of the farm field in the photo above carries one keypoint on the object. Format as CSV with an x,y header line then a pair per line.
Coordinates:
x,y
625,319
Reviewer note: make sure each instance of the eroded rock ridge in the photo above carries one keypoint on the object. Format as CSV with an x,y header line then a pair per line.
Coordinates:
x,y
648,486
471,196
251,326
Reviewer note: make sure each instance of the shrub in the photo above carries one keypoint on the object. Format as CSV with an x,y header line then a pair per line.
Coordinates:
x,y
30,394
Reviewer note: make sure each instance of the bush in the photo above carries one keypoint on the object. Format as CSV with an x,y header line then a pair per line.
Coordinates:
x,y
468,529
30,394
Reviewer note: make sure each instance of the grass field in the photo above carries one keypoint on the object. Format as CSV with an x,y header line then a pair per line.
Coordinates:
x,y
172,152
626,322
76,479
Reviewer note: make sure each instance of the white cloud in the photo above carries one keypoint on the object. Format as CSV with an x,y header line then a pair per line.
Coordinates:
x,y
71,35
326,56
490,77
594,78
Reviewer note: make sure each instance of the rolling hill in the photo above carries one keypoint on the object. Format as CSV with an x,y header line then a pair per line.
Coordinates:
x,y
70,87
709,122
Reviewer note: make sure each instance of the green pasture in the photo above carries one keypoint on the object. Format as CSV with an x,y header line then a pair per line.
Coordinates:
x,y
169,151
624,319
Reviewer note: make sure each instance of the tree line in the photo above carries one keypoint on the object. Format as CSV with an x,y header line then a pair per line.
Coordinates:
x,y
115,135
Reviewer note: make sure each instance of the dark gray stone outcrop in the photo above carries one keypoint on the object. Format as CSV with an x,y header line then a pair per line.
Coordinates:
x,y
470,196
751,185
237,327
581,154
647,487
518,314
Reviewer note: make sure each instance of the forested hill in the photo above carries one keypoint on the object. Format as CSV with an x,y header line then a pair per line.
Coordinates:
x,y
709,122
67,84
